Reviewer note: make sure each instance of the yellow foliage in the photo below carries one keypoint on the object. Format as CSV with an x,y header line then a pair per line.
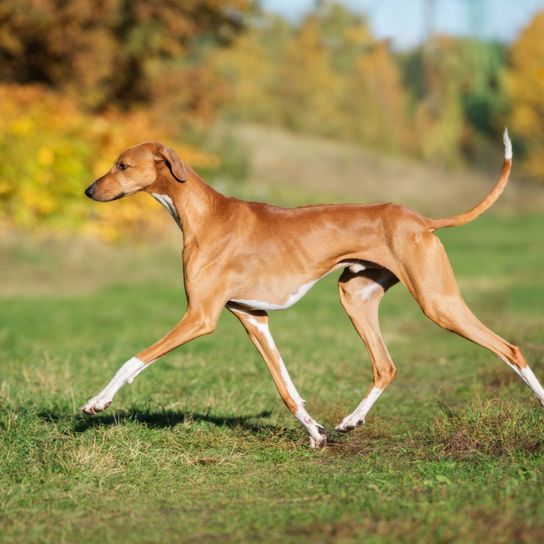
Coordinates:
x,y
327,75
381,100
525,82
50,150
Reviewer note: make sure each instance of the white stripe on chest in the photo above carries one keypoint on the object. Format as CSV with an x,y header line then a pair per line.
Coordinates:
x,y
166,201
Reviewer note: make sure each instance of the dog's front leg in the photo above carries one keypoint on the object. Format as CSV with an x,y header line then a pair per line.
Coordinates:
x,y
196,322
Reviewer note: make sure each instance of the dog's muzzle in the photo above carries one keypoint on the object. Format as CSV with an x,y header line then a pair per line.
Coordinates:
x,y
90,190
95,192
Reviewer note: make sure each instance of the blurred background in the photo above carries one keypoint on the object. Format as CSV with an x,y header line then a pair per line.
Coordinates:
x,y
291,101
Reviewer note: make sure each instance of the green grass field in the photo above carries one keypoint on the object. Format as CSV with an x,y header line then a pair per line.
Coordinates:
x,y
201,449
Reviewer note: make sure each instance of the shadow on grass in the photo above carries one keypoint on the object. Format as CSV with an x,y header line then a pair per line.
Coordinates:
x,y
158,419
164,419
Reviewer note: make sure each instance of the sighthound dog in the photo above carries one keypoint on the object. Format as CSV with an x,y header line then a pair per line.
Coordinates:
x,y
252,258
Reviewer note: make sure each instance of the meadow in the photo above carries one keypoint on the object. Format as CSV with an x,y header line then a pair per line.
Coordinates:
x,y
201,449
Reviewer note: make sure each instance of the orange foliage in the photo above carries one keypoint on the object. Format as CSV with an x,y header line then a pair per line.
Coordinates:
x,y
116,51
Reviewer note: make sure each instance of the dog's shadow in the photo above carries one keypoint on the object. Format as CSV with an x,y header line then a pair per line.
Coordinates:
x,y
158,418
163,419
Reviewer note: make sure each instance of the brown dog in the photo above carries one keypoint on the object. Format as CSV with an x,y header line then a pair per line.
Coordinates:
x,y
251,258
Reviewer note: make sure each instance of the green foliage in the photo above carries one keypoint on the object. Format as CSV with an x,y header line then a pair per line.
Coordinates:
x,y
457,96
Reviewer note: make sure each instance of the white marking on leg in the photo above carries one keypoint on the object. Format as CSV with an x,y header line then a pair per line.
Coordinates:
x,y
357,267
124,375
368,291
317,436
357,417
527,375
532,381
513,367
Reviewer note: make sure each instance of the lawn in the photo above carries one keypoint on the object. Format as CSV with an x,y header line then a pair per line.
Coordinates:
x,y
201,449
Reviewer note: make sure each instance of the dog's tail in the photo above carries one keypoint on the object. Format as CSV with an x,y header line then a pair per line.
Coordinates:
x,y
488,201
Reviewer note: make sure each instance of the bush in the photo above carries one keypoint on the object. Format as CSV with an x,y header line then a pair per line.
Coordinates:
x,y
50,150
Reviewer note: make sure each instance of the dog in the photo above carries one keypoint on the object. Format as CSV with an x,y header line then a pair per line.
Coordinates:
x,y
253,258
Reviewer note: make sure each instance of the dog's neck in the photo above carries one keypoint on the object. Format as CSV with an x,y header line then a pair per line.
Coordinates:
x,y
190,203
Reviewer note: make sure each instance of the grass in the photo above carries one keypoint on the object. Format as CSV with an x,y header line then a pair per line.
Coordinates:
x,y
200,448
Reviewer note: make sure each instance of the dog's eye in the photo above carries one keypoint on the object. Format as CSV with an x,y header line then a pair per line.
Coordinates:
x,y
122,166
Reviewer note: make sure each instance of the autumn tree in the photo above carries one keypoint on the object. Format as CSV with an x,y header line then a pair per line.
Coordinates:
x,y
249,69
306,87
525,81
325,75
456,96
116,52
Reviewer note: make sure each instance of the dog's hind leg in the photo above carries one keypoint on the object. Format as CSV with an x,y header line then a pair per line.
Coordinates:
x,y
256,325
360,295
429,277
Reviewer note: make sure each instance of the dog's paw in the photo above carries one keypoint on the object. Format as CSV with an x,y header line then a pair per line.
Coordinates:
x,y
349,423
317,444
318,437
95,405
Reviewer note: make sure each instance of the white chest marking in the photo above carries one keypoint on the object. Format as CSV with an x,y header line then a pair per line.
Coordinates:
x,y
166,201
294,297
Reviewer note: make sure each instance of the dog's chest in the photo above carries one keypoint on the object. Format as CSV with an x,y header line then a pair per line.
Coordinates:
x,y
166,201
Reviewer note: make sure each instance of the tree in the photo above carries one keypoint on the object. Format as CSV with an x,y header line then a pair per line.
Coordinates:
x,y
306,87
376,100
525,81
456,96
113,52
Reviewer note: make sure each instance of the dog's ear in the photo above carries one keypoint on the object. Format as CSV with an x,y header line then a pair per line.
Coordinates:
x,y
170,157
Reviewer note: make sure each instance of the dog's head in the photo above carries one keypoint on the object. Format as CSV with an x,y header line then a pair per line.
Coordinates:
x,y
144,167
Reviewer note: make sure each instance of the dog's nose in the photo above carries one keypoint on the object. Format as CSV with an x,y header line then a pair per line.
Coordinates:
x,y
90,190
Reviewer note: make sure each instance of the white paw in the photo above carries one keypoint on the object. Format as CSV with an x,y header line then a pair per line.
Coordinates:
x,y
318,437
318,443
349,423
95,405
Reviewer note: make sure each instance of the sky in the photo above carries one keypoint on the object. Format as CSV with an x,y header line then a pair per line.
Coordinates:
x,y
404,21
